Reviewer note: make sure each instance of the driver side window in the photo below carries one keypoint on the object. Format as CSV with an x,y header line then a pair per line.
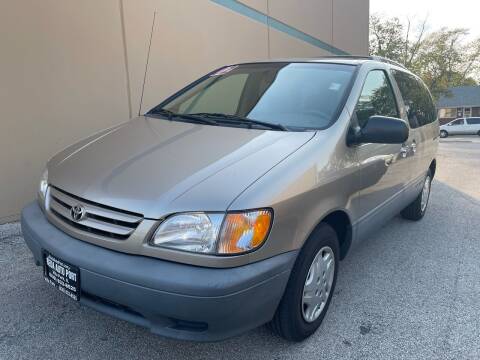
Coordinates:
x,y
456,122
377,98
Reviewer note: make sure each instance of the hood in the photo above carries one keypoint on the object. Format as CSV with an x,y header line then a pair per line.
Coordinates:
x,y
156,167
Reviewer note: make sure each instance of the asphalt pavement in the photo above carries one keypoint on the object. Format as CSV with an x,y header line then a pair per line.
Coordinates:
x,y
410,292
459,163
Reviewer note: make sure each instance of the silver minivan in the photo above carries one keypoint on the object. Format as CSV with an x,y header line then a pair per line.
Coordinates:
x,y
231,203
461,126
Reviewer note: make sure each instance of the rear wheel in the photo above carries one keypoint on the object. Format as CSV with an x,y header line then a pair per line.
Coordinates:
x,y
310,287
444,134
417,209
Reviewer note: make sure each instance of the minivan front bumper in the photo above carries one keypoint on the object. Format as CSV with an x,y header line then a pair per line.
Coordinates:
x,y
171,299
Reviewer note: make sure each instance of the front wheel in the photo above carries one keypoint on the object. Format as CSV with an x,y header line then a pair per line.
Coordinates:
x,y
417,209
310,287
444,134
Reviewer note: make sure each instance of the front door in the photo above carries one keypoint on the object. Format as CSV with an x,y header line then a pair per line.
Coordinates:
x,y
381,174
456,127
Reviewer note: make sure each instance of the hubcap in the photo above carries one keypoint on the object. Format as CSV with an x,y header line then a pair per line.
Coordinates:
x,y
425,193
318,284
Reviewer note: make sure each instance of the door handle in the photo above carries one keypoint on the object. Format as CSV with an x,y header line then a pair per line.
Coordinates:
x,y
404,150
414,147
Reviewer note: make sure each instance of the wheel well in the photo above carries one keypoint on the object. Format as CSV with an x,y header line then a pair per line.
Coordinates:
x,y
340,222
433,167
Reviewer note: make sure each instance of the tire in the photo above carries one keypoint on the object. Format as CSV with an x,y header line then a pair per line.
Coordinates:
x,y
290,321
478,133
417,209
443,134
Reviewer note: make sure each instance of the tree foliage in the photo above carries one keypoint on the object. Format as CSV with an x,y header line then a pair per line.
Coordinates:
x,y
443,58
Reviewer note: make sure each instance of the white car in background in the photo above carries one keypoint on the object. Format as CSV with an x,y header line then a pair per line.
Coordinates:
x,y
461,126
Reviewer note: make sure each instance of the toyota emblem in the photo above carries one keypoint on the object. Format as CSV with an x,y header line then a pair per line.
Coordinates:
x,y
77,213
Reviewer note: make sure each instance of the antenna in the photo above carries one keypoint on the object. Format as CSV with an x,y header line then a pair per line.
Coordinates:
x,y
146,64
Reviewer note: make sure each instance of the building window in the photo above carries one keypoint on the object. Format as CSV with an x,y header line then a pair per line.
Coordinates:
x,y
447,113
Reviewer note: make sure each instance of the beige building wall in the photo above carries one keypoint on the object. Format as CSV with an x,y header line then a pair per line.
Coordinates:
x,y
348,14
70,68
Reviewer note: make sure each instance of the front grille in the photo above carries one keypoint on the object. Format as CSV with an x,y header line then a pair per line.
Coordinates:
x,y
97,219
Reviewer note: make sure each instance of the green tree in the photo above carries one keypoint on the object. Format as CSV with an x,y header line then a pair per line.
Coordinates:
x,y
443,58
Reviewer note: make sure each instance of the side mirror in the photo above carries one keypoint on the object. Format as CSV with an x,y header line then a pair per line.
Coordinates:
x,y
381,130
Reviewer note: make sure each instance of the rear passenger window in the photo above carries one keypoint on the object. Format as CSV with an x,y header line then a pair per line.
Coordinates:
x,y
473,121
416,97
377,98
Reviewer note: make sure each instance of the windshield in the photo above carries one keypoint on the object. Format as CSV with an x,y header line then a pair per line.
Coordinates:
x,y
289,95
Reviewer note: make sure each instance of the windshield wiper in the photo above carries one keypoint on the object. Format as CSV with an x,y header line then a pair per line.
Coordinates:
x,y
239,120
170,115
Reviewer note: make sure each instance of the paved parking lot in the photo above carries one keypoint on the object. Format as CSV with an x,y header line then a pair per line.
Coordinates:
x,y
459,159
410,292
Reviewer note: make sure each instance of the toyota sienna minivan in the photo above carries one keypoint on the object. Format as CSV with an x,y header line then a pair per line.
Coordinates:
x,y
231,204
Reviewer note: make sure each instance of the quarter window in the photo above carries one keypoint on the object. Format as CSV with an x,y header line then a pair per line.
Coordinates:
x,y
377,98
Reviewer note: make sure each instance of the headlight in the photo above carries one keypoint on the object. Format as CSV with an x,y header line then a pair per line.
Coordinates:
x,y
214,233
195,232
42,187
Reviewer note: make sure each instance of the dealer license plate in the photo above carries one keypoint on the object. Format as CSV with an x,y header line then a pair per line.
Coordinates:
x,y
62,275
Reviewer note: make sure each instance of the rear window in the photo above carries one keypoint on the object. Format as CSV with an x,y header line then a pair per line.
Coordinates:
x,y
417,99
473,121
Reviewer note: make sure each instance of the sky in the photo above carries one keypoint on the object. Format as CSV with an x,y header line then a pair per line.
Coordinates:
x,y
456,13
